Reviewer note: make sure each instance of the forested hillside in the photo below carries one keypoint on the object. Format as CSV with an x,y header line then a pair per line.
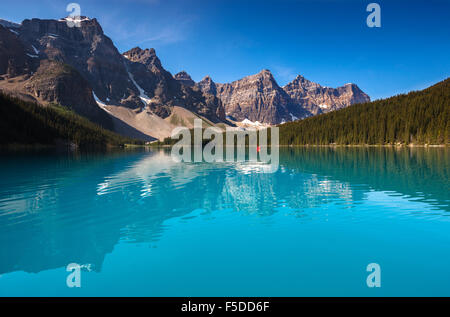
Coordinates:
x,y
27,123
420,117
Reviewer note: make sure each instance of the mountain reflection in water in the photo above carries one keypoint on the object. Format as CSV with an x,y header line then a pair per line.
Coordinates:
x,y
58,209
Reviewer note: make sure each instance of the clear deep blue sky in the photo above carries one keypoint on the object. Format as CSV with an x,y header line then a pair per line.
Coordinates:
x,y
327,41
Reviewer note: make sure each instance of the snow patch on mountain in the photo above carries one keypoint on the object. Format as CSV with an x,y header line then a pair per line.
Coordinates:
x,y
146,99
9,24
75,19
36,51
100,103
256,123
15,32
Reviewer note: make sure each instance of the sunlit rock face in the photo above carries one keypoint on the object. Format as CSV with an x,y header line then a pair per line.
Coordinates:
x,y
255,98
258,98
316,99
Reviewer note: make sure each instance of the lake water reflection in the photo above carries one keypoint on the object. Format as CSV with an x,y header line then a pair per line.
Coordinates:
x,y
148,226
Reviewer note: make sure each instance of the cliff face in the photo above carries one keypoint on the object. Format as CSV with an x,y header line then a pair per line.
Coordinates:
x,y
43,52
259,98
34,63
256,98
86,49
184,78
207,85
317,99
60,83
13,58
164,91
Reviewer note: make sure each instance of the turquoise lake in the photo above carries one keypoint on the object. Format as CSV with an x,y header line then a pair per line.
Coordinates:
x,y
144,225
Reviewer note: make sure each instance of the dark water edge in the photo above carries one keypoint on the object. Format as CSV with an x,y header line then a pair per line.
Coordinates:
x,y
408,171
409,168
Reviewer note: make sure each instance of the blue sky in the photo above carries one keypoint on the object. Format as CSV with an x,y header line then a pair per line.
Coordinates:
x,y
327,41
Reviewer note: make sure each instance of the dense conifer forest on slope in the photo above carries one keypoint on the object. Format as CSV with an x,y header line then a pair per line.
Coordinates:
x,y
419,117
27,123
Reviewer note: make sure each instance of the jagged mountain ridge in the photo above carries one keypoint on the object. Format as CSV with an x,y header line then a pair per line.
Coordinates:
x,y
259,98
35,58
317,99
164,91
184,78
131,93
26,73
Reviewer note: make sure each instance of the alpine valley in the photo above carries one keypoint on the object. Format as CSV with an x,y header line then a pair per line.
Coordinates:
x,y
47,62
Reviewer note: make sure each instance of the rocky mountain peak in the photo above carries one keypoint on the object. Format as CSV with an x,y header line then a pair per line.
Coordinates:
x,y
265,72
318,99
354,90
350,86
184,78
264,79
89,29
302,83
207,85
147,57
207,77
138,53
256,98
